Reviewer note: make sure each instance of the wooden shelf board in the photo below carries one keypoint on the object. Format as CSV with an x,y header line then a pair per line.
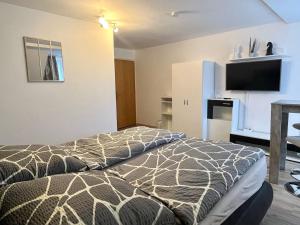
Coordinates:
x,y
167,99
166,114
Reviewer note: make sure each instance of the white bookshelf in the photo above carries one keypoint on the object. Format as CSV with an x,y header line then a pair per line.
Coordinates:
x,y
166,113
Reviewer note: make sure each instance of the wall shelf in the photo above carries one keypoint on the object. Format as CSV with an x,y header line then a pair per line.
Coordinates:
x,y
259,58
166,113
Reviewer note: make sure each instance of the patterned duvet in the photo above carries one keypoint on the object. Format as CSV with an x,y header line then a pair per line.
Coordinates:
x,y
104,150
190,176
83,198
151,176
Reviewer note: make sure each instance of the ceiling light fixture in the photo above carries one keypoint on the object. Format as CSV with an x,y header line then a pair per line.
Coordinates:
x,y
173,13
116,29
103,22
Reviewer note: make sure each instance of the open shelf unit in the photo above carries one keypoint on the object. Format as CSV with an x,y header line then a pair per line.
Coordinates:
x,y
166,113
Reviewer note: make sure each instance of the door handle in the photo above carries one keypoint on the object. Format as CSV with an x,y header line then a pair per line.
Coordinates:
x,y
187,102
183,101
226,103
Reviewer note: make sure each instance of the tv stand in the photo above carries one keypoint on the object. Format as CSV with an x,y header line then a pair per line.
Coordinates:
x,y
256,138
249,136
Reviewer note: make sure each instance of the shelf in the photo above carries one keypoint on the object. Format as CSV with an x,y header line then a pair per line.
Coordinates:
x,y
220,119
166,114
259,58
166,99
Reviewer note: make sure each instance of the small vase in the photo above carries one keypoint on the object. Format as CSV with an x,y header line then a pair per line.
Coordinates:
x,y
252,54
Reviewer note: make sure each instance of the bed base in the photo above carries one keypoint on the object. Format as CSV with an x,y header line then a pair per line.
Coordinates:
x,y
254,209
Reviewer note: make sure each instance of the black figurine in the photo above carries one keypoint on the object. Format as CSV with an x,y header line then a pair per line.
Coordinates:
x,y
270,48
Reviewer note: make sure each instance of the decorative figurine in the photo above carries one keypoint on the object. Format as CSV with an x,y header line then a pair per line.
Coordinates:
x,y
252,47
237,52
270,48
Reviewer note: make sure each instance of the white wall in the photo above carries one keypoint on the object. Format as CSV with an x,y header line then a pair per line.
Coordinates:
x,y
153,72
127,54
55,112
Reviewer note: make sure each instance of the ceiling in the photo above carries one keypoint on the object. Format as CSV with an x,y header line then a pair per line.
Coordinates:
x,y
147,23
289,10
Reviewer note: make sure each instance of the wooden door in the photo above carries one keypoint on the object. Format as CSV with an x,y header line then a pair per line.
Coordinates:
x,y
125,93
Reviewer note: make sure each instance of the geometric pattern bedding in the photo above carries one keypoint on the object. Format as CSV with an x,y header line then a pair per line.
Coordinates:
x,y
104,150
190,175
180,176
21,163
84,198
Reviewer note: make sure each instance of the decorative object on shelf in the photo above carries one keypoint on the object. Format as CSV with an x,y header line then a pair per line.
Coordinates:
x,y
270,48
237,52
252,47
44,60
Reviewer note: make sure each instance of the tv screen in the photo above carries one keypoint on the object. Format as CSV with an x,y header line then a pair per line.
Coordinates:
x,y
254,76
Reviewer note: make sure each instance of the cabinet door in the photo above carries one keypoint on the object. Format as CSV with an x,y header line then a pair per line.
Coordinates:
x,y
186,88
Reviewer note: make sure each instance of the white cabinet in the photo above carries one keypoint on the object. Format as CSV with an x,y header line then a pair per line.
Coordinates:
x,y
192,85
223,118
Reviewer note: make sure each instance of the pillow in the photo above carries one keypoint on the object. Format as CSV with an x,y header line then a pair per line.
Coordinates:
x,y
21,163
88,198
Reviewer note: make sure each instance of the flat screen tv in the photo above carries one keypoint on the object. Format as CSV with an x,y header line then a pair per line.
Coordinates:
x,y
254,76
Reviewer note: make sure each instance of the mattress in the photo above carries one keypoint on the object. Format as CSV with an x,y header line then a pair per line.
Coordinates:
x,y
248,185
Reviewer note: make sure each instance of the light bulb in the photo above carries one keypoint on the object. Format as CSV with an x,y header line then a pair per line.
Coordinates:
x,y
101,20
116,29
103,23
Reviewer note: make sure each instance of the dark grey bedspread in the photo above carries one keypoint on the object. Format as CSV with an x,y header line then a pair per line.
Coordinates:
x,y
186,176
190,176
104,150
87,198
28,162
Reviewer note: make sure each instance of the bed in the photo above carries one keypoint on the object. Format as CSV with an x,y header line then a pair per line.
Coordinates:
x,y
136,176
